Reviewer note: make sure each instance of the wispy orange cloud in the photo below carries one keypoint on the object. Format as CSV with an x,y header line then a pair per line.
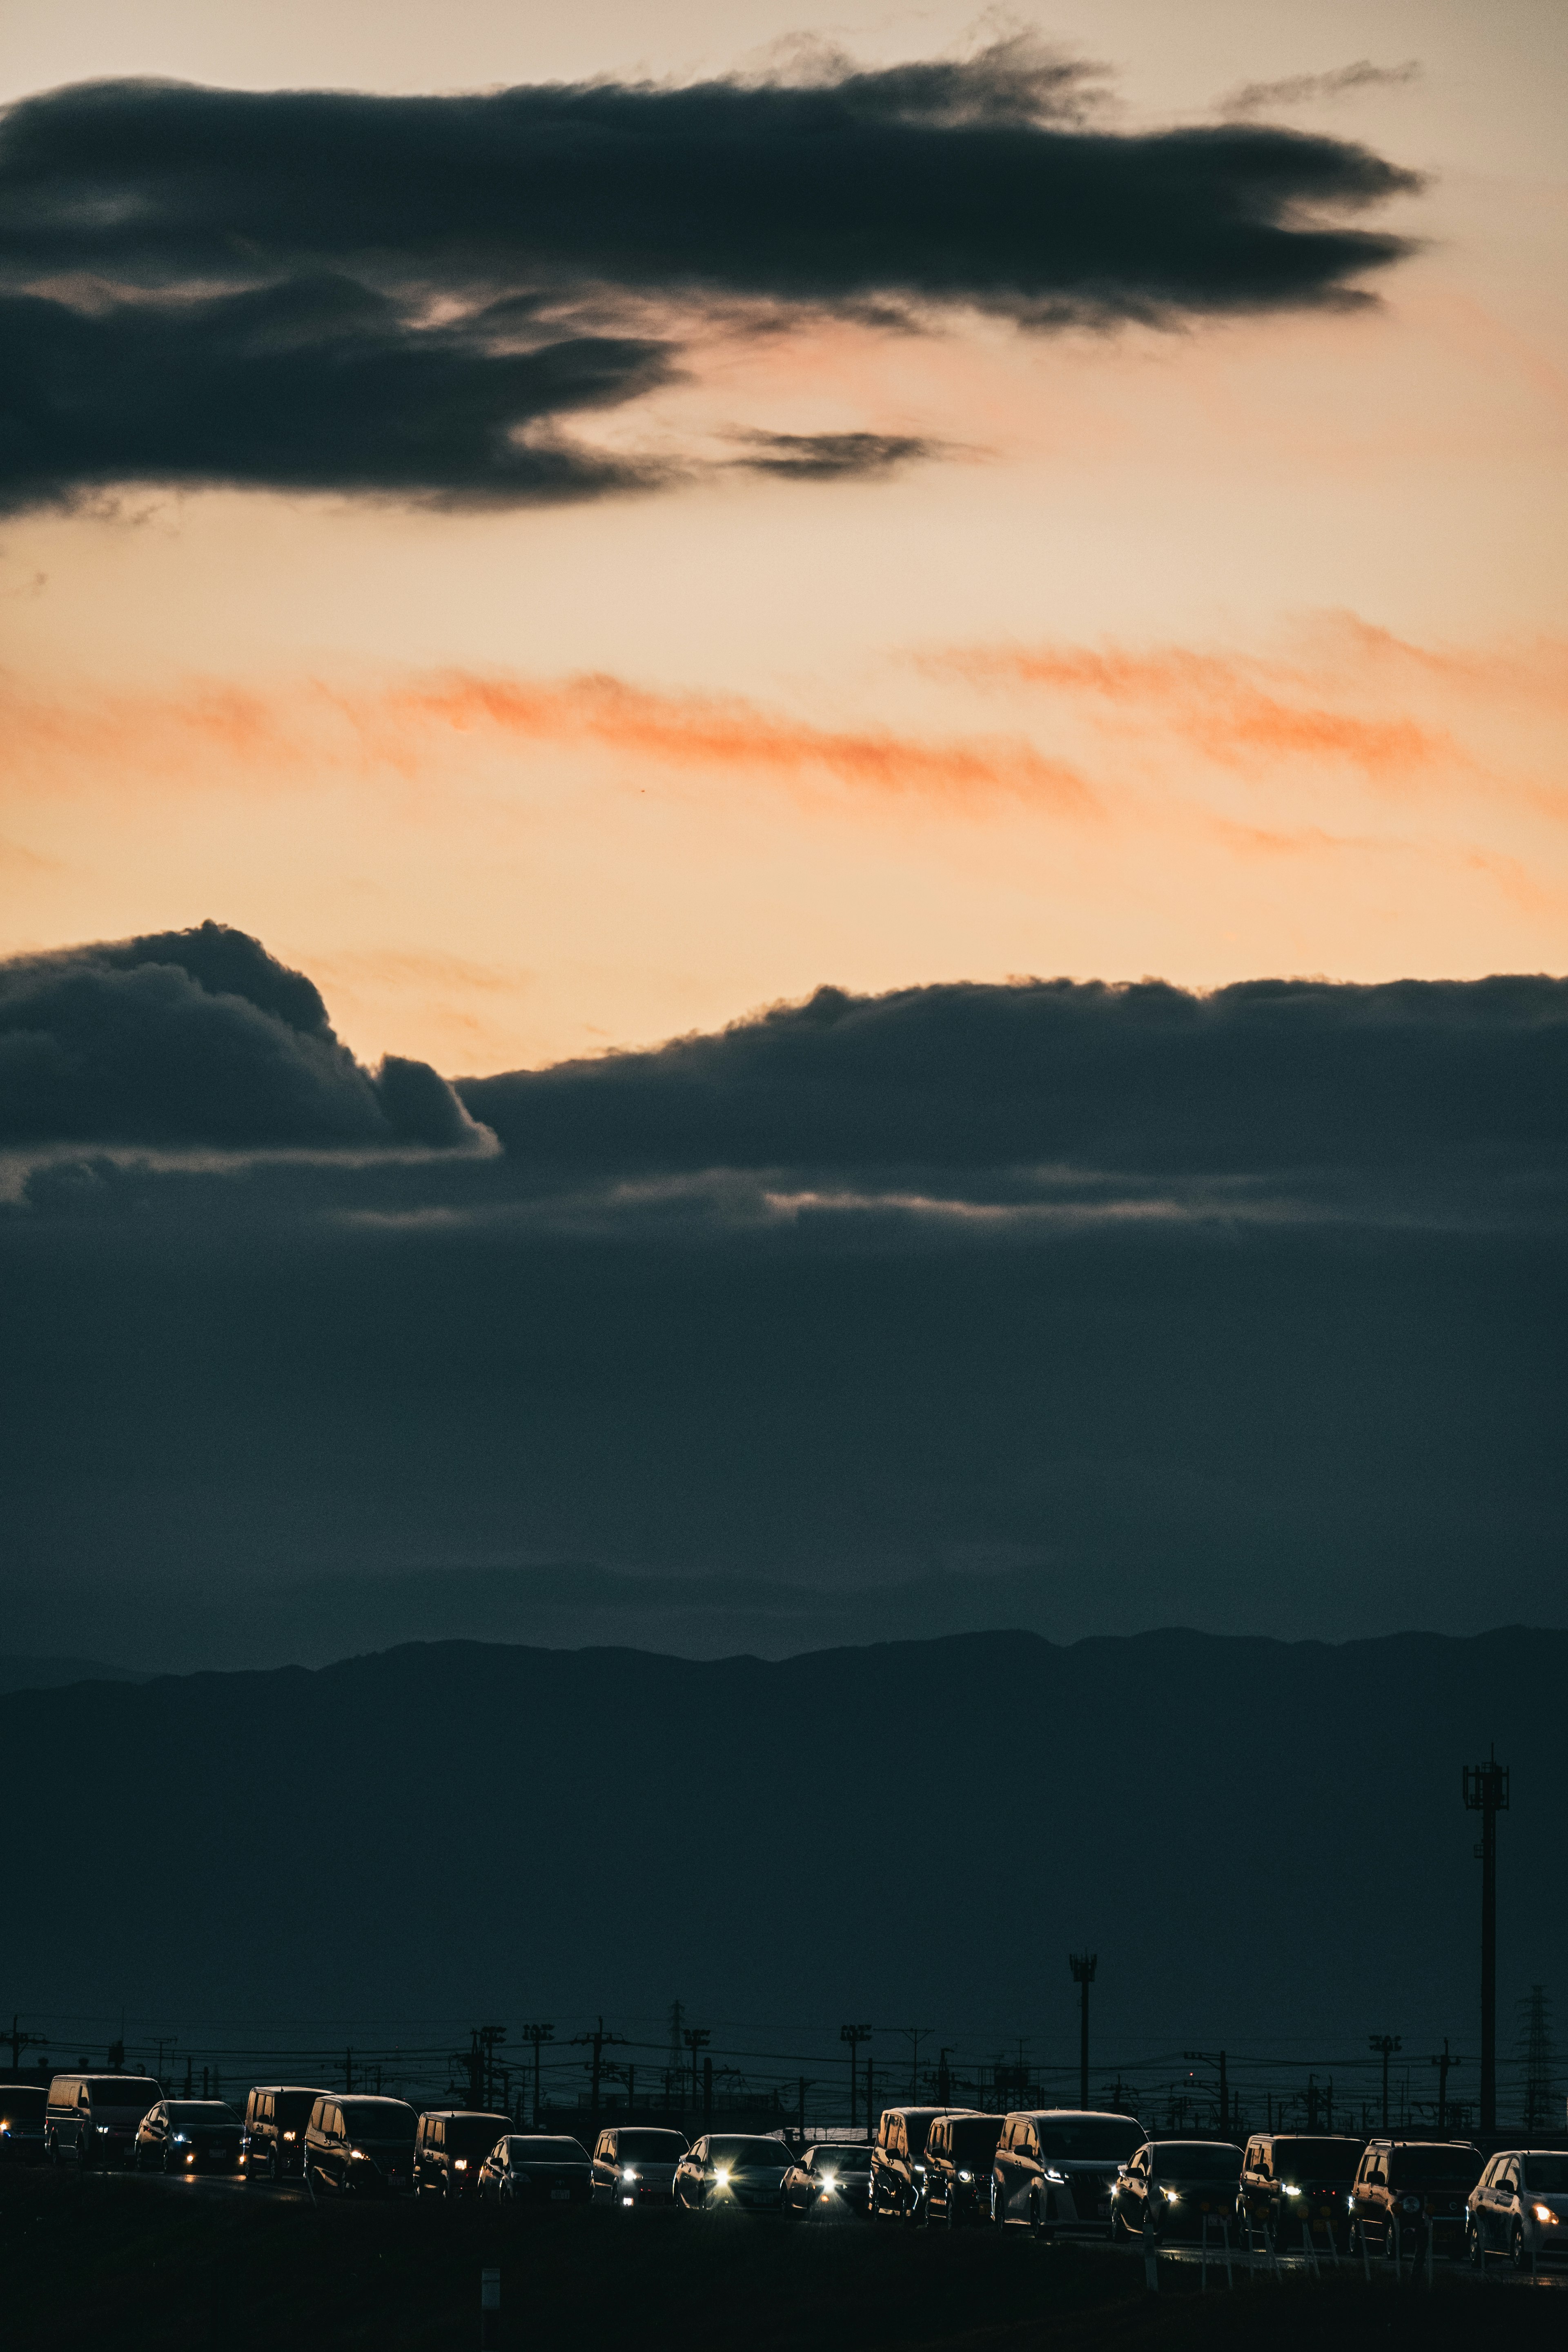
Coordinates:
x,y
1250,712
398,723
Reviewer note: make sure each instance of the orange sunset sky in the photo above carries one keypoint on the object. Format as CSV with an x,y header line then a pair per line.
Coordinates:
x,y
1212,651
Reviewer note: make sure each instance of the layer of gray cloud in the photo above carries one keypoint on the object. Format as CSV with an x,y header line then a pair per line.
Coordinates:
x,y
414,296
1096,1308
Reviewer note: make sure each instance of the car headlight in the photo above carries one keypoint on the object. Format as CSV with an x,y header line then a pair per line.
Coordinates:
x,y
1546,2213
180,2138
829,2183
289,2135
1052,2174
1410,2204
460,2164
722,2180
1290,2189
628,2174
966,2177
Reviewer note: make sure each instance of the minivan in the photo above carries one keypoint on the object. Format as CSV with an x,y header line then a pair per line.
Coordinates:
x,y
450,2146
273,2141
93,2118
360,2147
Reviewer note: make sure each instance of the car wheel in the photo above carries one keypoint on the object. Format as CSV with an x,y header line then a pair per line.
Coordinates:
x,y
1516,2252
272,2171
1037,2220
998,2209
1474,2254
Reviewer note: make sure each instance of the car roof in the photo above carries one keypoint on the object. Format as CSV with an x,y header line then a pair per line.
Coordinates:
x,y
1080,2114
485,2115
1413,2139
1354,2138
312,2090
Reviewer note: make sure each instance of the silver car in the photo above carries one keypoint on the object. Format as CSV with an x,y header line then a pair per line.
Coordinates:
x,y
1518,2208
1055,2169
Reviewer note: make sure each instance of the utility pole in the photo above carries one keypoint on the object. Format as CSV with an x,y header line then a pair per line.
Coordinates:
x,y
1083,1966
696,2038
1443,2065
943,2078
536,2034
597,2041
1203,2058
1383,2045
1486,1792
914,2035
21,2042
482,2063
855,2035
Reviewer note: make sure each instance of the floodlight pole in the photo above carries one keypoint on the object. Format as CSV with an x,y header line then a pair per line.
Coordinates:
x,y
1083,1965
1486,1792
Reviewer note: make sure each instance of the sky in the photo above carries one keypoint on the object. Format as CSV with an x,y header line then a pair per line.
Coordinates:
x,y
1000,578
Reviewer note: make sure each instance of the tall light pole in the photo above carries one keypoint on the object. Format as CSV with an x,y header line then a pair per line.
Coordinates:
x,y
1383,2045
1486,1792
1083,1965
855,2035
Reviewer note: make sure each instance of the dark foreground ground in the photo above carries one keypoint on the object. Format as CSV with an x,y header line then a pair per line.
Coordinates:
x,y
116,2262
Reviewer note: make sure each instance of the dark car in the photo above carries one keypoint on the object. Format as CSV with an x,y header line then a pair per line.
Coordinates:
x,y
1177,2189
1407,2189
272,2142
635,2165
94,2118
529,2169
1055,2168
897,2163
360,2147
188,2136
23,2106
960,2150
730,2172
1518,2208
827,2182
1297,2184
450,2145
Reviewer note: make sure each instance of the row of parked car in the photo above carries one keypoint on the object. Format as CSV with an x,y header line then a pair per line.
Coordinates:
x,y
1048,2170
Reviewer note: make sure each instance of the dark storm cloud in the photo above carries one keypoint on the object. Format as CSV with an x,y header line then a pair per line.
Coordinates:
x,y
195,1037
439,272
1265,1077
1080,1307
315,383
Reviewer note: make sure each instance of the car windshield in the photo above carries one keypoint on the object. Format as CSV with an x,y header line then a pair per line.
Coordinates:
x,y
293,2107
549,2151
1102,2139
124,2091
1316,2160
1546,2175
842,2160
972,2138
1197,2159
474,2134
193,2115
748,2154
20,2104
651,2146
1418,2168
392,2121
